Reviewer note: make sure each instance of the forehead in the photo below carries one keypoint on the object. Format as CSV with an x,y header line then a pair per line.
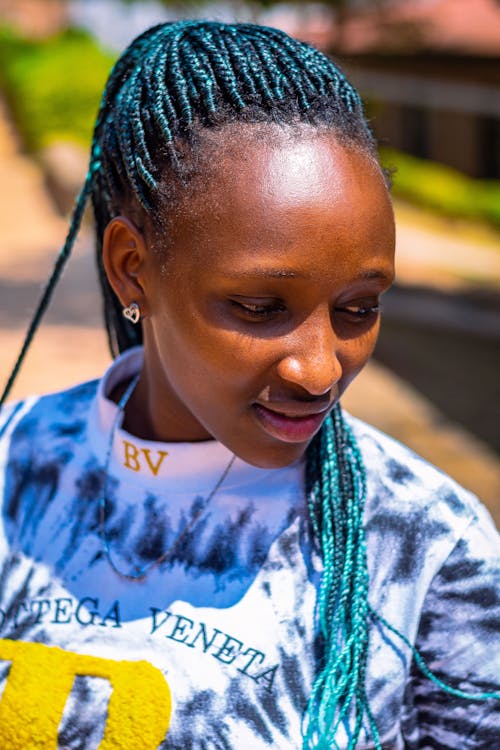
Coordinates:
x,y
277,193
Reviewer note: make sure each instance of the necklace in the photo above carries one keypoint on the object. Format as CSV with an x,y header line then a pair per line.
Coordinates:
x,y
139,572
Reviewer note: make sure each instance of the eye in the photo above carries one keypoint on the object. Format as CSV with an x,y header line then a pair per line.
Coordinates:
x,y
258,310
360,311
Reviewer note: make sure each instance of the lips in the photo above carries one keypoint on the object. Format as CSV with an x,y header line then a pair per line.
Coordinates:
x,y
296,425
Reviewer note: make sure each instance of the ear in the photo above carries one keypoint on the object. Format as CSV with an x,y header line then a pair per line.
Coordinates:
x,y
124,255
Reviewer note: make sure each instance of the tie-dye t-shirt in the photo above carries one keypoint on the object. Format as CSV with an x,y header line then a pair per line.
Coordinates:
x,y
216,648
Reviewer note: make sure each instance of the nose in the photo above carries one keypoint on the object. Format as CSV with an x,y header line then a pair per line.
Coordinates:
x,y
312,361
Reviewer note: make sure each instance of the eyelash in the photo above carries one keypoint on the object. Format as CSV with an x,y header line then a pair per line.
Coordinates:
x,y
363,311
260,312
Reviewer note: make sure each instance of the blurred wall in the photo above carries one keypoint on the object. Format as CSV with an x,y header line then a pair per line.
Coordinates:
x,y
440,107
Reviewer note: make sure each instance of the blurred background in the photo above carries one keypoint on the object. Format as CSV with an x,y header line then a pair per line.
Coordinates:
x,y
429,73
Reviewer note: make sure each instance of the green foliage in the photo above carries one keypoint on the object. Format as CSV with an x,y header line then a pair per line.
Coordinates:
x,y
53,86
442,188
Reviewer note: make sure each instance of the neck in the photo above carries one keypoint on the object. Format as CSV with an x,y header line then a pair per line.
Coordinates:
x,y
148,412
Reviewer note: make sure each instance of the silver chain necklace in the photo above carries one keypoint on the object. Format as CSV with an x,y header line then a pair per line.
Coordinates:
x,y
139,573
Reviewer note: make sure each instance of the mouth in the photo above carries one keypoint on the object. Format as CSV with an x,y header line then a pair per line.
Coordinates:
x,y
290,426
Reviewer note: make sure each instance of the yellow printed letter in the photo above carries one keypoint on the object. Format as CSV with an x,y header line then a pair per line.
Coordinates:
x,y
155,468
131,456
40,681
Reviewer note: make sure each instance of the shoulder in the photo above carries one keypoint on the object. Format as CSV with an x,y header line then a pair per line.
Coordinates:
x,y
413,509
39,420
400,473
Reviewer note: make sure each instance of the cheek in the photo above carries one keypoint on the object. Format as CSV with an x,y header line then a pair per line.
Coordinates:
x,y
211,359
356,352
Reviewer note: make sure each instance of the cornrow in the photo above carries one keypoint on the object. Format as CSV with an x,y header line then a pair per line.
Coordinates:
x,y
171,83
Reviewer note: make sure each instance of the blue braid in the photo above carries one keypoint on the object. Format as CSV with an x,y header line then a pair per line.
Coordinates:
x,y
336,487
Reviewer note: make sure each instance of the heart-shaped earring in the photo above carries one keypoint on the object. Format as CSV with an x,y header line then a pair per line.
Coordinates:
x,y
132,312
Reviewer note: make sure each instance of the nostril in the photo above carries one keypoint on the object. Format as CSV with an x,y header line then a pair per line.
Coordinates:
x,y
317,377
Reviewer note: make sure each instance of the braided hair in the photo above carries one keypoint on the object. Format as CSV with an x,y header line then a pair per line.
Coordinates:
x,y
171,84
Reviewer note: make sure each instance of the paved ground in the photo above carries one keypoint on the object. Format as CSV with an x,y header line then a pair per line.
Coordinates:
x,y
71,344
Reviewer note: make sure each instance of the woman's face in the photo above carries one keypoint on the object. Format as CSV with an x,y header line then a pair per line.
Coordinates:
x,y
268,305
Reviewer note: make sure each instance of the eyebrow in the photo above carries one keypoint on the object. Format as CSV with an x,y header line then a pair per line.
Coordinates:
x,y
268,273
287,273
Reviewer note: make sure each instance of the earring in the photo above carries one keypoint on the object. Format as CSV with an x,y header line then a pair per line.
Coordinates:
x,y
132,312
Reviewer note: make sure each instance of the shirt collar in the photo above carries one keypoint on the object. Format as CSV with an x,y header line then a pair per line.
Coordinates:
x,y
197,466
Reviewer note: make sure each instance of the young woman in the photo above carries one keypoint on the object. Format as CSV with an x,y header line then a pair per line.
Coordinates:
x,y
200,550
